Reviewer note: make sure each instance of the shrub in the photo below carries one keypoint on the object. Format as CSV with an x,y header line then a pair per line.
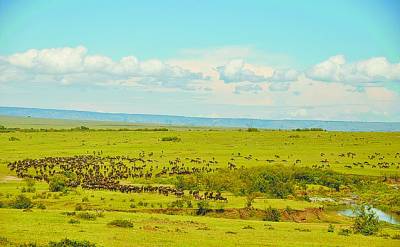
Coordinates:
x,y
250,199
344,232
132,205
30,182
12,139
331,228
272,214
4,241
396,236
177,204
100,214
121,223
78,207
21,202
252,130
366,221
41,206
85,199
58,183
86,216
180,182
202,207
71,243
74,221
171,139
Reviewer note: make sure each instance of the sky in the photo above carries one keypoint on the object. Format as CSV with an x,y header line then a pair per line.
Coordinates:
x,y
270,59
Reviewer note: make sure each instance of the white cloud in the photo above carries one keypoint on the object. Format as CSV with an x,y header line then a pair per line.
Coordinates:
x,y
284,75
50,61
238,71
246,88
74,65
224,77
336,69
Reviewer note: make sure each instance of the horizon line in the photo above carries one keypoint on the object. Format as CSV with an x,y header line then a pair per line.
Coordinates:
x,y
198,117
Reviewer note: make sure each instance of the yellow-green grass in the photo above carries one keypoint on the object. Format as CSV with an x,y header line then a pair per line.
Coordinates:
x,y
263,145
109,200
49,224
171,230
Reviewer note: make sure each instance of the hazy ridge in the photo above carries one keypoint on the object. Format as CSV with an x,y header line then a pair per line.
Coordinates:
x,y
200,121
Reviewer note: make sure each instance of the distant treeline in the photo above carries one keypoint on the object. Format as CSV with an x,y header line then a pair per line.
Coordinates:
x,y
309,129
81,128
85,128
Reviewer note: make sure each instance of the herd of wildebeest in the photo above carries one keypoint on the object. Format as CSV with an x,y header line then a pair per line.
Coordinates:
x,y
99,172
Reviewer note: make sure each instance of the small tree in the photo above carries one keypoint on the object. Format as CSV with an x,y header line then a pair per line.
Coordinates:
x,y
202,207
272,214
366,221
180,182
21,202
250,199
57,183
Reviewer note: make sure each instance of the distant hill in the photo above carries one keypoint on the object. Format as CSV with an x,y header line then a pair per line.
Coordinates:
x,y
200,121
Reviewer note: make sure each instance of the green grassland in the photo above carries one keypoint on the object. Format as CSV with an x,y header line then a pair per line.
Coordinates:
x,y
370,156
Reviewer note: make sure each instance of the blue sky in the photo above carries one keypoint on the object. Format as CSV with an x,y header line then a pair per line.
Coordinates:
x,y
332,60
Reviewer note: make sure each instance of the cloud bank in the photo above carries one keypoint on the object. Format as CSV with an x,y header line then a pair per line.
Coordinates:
x,y
219,79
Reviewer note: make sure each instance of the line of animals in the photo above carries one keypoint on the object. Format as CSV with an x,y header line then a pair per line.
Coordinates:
x,y
95,171
104,173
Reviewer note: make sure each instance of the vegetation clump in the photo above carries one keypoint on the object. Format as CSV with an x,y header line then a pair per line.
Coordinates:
x,y
366,221
86,216
252,130
121,223
344,232
71,243
58,183
30,186
203,207
21,202
171,139
272,214
74,221
309,129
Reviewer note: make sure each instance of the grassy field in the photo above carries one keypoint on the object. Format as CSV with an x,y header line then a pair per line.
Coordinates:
x,y
368,155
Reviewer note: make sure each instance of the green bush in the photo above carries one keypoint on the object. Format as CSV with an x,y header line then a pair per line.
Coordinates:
x,y
331,228
177,204
272,214
250,199
21,202
74,221
71,243
12,139
366,221
58,183
344,232
121,223
202,207
87,216
171,139
252,130
78,207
